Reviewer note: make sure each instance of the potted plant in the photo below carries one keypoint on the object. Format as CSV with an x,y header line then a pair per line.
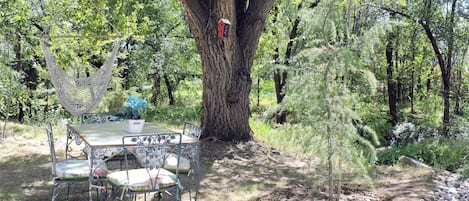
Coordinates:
x,y
133,114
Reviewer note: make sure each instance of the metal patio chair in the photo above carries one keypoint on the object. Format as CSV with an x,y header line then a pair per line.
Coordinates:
x,y
187,167
152,150
72,171
192,130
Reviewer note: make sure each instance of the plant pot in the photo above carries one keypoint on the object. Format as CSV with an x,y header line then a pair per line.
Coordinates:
x,y
134,125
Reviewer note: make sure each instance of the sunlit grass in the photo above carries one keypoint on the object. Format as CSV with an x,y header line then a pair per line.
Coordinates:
x,y
299,141
244,192
29,131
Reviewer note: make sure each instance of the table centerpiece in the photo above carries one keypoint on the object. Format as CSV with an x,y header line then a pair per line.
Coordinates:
x,y
134,121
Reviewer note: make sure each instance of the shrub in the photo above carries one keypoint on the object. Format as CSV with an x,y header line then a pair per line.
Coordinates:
x,y
442,153
407,132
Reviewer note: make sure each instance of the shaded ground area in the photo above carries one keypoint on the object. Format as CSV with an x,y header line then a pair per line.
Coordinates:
x,y
252,171
245,171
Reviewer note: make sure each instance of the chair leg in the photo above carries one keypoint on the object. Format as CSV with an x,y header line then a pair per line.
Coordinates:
x,y
54,192
68,191
189,178
158,196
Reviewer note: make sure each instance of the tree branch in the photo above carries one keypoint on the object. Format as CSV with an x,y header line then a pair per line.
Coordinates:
x,y
314,4
428,32
253,23
198,13
392,11
240,9
35,24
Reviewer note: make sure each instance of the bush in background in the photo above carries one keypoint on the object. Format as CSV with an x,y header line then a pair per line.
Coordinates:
x,y
442,153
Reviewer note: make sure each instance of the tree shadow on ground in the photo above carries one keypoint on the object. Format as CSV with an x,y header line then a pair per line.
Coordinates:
x,y
25,177
252,171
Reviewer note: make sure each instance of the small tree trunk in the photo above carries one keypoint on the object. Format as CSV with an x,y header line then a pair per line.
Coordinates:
x,y
169,87
19,67
412,84
156,88
458,84
445,66
392,96
429,80
330,173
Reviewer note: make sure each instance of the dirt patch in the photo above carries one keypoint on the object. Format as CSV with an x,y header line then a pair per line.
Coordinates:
x,y
243,171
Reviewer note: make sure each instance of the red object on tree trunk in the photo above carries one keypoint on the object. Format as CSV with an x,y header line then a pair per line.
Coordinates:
x,y
223,27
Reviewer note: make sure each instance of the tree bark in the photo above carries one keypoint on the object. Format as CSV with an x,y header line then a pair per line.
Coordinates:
x,y
169,87
459,83
156,87
19,67
392,89
412,83
226,62
457,92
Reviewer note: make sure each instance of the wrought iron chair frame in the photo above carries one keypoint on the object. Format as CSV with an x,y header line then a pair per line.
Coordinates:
x,y
100,181
155,148
193,131
100,117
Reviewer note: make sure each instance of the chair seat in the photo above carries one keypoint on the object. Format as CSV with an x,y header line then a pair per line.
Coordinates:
x,y
171,163
78,169
142,179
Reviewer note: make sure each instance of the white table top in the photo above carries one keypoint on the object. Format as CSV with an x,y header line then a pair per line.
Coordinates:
x,y
111,133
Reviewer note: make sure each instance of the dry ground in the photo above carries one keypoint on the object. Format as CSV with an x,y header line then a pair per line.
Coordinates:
x,y
245,171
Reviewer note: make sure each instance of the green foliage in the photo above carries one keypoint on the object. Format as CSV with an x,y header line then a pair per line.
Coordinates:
x,y
322,94
188,107
374,115
443,153
295,139
261,96
8,81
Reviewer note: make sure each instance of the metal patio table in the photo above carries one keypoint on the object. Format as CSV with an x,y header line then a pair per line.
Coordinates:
x,y
103,140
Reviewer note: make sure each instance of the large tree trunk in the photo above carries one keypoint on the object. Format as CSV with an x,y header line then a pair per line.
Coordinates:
x,y
227,62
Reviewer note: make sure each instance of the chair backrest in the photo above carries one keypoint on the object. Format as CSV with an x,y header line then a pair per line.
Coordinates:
x,y
100,117
192,130
152,150
50,139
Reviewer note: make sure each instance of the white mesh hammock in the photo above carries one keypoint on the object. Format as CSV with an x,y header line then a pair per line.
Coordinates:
x,y
80,95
